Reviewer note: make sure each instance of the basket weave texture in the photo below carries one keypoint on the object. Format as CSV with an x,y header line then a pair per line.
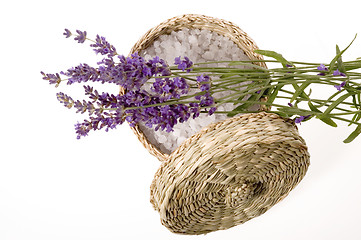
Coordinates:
x,y
193,21
229,173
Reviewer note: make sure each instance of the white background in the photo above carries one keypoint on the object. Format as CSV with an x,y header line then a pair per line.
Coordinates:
x,y
53,186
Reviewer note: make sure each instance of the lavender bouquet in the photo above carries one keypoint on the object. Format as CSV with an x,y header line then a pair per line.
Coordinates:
x,y
160,95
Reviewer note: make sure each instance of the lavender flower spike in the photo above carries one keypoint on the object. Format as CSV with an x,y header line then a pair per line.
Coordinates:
x,y
81,73
82,129
52,78
81,36
67,33
65,99
103,47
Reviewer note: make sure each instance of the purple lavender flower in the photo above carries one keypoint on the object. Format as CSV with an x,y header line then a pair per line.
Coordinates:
x,y
206,100
81,73
67,33
203,78
340,86
65,99
107,110
98,118
183,64
81,37
103,47
159,66
84,106
301,119
81,107
93,94
212,110
169,88
205,86
107,121
162,117
52,78
338,73
82,129
132,72
203,82
322,68
183,112
290,104
194,109
181,84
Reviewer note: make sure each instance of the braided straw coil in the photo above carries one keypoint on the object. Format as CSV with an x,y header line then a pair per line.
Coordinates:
x,y
229,173
192,21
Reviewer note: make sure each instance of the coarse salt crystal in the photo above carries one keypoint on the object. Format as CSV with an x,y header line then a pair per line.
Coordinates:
x,y
162,139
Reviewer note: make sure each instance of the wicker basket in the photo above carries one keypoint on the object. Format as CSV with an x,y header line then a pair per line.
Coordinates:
x,y
192,21
231,171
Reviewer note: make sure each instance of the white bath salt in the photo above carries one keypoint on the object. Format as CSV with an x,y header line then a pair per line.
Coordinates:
x,y
180,140
194,124
162,139
199,46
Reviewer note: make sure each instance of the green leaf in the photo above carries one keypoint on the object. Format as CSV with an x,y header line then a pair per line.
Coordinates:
x,y
245,106
227,75
340,65
327,120
300,91
338,55
323,118
353,65
302,94
355,118
283,114
353,135
249,65
289,111
274,94
231,114
313,108
274,55
284,63
356,99
336,103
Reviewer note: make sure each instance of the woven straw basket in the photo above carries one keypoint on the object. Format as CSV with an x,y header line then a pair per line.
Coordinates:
x,y
231,171
192,21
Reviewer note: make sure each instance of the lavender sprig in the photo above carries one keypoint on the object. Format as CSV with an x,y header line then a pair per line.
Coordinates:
x,y
103,47
52,78
81,73
159,95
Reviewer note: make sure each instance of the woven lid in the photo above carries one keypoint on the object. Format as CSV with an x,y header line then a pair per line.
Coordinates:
x,y
229,173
